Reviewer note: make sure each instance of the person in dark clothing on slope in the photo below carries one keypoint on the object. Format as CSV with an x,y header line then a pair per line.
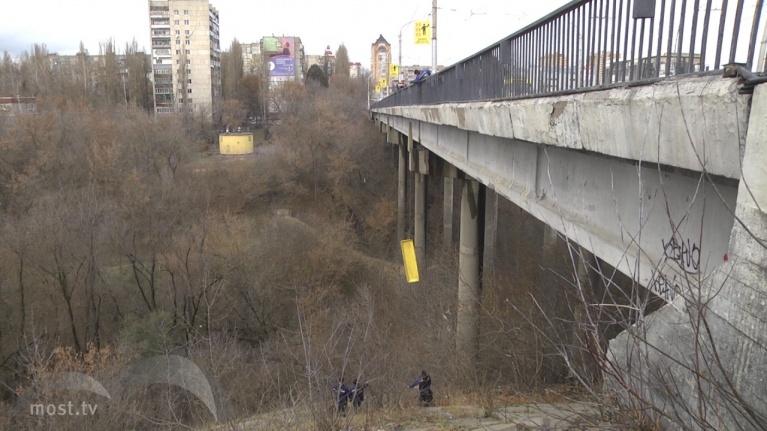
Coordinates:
x,y
358,393
424,387
343,393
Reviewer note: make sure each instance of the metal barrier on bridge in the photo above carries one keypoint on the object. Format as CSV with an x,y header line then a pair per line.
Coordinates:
x,y
594,43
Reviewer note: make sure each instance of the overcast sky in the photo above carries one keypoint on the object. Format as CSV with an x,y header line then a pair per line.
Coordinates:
x,y
464,26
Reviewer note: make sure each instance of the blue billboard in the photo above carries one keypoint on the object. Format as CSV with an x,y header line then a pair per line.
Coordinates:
x,y
282,65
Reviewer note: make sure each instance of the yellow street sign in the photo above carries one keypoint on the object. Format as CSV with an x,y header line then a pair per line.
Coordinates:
x,y
422,32
378,89
382,82
393,71
408,258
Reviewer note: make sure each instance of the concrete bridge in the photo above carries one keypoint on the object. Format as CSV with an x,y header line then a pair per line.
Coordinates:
x,y
654,161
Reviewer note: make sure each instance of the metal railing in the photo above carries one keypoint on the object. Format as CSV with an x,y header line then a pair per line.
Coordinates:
x,y
594,43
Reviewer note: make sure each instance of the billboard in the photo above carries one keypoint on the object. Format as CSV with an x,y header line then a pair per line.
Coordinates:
x,y
278,45
281,53
282,65
270,44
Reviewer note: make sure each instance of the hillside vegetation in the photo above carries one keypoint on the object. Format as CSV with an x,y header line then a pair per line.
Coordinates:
x,y
125,236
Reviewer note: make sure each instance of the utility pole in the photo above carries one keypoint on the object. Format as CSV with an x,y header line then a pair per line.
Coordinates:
x,y
399,61
434,36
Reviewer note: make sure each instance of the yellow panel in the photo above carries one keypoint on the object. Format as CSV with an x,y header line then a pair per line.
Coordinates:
x,y
393,71
408,258
422,32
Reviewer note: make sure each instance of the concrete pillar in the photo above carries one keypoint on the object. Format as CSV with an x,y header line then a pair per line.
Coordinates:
x,y
447,212
419,237
491,231
401,192
550,298
469,282
583,330
549,258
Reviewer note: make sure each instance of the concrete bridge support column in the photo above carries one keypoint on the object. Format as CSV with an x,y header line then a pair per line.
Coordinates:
x,y
447,211
491,231
469,269
582,366
419,164
419,237
401,191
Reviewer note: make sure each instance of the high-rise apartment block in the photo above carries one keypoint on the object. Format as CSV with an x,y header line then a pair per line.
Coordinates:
x,y
186,55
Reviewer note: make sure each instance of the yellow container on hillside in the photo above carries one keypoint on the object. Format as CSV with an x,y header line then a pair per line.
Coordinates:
x,y
235,143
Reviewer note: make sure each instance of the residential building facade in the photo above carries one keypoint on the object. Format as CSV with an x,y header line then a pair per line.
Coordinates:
x,y
380,58
186,56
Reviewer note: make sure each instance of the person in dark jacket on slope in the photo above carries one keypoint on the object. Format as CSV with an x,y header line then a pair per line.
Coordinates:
x,y
343,393
357,393
424,387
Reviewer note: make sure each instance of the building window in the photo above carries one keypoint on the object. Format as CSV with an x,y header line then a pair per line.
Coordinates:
x,y
175,12
186,32
175,22
186,12
178,61
178,52
178,41
186,22
189,91
178,32
190,81
188,42
188,52
189,62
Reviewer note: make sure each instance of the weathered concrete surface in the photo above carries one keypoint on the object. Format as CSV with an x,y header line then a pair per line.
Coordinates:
x,y
723,362
687,123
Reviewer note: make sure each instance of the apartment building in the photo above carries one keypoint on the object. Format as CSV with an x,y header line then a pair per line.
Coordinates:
x,y
252,63
186,56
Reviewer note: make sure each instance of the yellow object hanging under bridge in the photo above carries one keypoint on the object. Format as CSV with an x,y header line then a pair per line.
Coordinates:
x,y
409,260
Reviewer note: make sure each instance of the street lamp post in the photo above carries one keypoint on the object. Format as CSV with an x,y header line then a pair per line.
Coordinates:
x,y
434,36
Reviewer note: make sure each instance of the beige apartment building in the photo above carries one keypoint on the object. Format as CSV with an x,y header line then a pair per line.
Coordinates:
x,y
186,56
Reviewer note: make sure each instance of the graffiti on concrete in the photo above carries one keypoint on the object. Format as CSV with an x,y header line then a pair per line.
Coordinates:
x,y
664,286
685,253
